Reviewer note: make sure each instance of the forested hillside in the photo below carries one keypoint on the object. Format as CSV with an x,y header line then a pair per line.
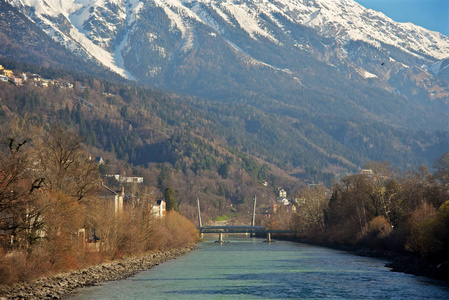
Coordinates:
x,y
306,105
170,140
218,152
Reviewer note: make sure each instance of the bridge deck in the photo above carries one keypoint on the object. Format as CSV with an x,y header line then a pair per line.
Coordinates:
x,y
239,229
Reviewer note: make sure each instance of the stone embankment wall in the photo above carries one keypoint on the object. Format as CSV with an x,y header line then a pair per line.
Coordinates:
x,y
65,284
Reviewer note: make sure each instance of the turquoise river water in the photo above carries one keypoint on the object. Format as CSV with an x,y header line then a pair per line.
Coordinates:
x,y
250,268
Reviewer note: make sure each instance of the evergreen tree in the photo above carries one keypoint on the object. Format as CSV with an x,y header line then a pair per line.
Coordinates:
x,y
223,170
170,200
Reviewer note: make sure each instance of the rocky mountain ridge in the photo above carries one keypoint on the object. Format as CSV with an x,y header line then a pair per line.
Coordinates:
x,y
324,79
109,31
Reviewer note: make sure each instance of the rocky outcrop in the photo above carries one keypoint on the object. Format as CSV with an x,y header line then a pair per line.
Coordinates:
x,y
64,284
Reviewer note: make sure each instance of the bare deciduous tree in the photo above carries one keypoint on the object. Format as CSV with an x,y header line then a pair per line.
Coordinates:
x,y
309,217
66,166
18,210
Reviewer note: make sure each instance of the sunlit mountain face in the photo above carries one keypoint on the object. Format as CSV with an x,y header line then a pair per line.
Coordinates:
x,y
335,75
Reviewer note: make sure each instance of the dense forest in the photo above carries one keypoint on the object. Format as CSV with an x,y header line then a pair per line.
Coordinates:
x,y
167,139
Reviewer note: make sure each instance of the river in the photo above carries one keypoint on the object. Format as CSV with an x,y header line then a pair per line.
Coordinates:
x,y
249,268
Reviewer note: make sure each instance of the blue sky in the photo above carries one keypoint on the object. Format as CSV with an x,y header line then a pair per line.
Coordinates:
x,y
430,14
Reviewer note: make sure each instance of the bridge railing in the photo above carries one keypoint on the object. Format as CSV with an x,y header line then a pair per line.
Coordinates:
x,y
239,229
232,229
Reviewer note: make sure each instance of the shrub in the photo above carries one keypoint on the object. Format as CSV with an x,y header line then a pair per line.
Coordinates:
x,y
441,233
379,227
421,226
21,266
179,231
376,233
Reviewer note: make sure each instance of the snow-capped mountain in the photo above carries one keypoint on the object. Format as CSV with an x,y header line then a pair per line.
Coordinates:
x,y
327,74
440,68
101,20
84,27
180,44
98,26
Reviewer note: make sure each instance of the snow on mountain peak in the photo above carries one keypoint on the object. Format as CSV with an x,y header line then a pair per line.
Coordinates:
x,y
343,19
347,20
101,27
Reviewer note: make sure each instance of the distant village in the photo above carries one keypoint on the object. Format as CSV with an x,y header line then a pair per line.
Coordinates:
x,y
32,79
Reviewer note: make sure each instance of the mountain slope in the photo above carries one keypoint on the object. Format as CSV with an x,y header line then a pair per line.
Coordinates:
x,y
21,40
102,29
319,83
158,41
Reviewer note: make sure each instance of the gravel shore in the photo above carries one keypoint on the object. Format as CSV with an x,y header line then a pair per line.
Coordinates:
x,y
65,284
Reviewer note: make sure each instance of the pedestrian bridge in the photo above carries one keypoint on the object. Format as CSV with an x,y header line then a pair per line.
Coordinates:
x,y
240,229
237,229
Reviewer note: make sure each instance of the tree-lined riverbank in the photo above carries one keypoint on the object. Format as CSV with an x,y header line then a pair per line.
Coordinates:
x,y
402,216
56,213
64,284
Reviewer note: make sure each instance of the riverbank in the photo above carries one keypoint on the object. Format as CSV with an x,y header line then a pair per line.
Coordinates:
x,y
245,268
63,285
399,262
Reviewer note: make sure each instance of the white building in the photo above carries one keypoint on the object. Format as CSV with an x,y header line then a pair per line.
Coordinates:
x,y
126,179
282,201
114,199
158,208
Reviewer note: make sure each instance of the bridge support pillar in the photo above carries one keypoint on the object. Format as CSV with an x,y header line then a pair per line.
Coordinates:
x,y
220,238
269,237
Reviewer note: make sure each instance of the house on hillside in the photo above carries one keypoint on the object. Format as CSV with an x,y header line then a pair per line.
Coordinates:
x,y
158,208
46,83
367,172
68,85
282,201
126,179
282,193
113,199
7,73
133,179
282,197
16,80
99,160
